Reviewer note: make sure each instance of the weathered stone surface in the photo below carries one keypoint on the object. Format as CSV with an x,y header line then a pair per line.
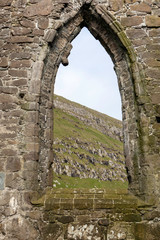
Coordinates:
x,y
131,21
18,73
153,21
43,23
27,23
21,39
41,8
20,31
38,32
3,62
20,228
13,164
50,34
2,180
116,4
20,63
141,7
36,76
153,73
150,231
5,98
65,219
4,3
20,82
51,231
136,33
26,100
20,55
103,222
156,98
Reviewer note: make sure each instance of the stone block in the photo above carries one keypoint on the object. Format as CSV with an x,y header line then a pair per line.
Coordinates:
x,y
3,62
20,63
36,76
152,21
152,62
103,203
17,228
155,98
13,164
141,7
35,215
5,136
153,47
153,73
66,219
131,21
5,33
8,99
51,231
21,39
18,73
155,32
8,152
43,23
136,33
32,146
42,8
66,204
31,130
2,180
116,4
27,23
17,31
14,181
4,3
20,55
83,218
132,217
131,1
31,156
9,90
20,82
31,117
4,198
103,222
147,231
52,204
38,32
83,204
50,35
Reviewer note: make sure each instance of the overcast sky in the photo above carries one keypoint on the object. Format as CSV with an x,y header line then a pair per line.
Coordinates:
x,y
89,79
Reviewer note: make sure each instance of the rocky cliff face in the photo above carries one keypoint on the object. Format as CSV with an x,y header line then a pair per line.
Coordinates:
x,y
87,144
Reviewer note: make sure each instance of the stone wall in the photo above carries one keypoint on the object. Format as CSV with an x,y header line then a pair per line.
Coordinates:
x,y
35,38
96,214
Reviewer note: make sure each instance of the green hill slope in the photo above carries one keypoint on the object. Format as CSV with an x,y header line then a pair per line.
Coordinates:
x,y
82,150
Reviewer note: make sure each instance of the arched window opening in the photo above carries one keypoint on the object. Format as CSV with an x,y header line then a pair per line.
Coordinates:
x,y
88,147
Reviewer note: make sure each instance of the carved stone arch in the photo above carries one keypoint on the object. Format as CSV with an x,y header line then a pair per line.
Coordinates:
x,y
35,38
104,27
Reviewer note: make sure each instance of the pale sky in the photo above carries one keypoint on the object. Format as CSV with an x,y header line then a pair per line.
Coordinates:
x,y
89,79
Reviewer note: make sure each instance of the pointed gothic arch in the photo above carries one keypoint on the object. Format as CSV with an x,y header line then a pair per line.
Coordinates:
x,y
109,32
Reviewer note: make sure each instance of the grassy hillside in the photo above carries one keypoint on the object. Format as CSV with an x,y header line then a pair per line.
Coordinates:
x,y
84,156
66,126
